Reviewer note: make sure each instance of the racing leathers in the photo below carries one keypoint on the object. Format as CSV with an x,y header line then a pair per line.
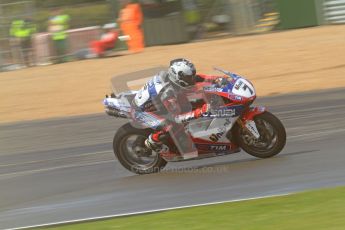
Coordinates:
x,y
163,106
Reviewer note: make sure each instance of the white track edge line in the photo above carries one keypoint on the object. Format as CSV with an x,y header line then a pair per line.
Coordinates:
x,y
148,211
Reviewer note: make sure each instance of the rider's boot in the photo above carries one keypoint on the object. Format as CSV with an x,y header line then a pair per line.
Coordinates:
x,y
185,146
153,143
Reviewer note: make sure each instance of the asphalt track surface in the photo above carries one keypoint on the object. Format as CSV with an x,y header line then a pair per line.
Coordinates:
x,y
63,169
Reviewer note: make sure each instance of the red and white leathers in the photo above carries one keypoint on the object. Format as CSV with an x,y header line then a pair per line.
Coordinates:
x,y
107,41
160,100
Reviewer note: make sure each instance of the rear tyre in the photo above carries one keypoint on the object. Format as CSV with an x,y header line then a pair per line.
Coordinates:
x,y
272,137
130,150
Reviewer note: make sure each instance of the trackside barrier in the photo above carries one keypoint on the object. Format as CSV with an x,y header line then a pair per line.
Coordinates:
x,y
300,13
334,11
77,39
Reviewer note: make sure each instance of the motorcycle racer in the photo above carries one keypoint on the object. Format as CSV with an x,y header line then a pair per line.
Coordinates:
x,y
170,119
163,99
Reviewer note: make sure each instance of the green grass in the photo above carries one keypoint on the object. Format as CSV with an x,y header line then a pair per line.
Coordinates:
x,y
323,209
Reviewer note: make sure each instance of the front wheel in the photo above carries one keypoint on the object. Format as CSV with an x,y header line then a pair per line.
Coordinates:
x,y
130,150
272,137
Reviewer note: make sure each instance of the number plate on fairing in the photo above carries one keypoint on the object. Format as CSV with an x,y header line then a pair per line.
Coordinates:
x,y
243,88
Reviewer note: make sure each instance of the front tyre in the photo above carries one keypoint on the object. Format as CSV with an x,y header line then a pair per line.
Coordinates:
x,y
130,150
272,137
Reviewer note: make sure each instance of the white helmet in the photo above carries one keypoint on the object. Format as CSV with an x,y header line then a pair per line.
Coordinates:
x,y
182,72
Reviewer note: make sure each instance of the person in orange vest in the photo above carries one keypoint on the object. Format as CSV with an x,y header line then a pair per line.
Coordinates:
x,y
130,20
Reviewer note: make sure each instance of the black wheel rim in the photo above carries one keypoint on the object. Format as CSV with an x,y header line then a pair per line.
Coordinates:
x,y
136,154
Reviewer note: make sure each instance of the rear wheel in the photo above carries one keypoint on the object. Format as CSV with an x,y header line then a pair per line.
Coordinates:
x,y
272,137
130,150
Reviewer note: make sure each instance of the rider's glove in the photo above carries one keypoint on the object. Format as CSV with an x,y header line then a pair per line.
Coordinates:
x,y
203,111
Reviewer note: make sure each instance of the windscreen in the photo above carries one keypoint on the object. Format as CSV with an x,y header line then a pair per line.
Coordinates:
x,y
134,80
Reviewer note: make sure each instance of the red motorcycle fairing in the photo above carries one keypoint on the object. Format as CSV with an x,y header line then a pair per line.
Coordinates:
x,y
228,97
252,112
203,146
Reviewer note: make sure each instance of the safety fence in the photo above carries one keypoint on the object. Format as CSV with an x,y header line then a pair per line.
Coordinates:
x,y
13,55
169,23
9,11
239,16
78,39
175,23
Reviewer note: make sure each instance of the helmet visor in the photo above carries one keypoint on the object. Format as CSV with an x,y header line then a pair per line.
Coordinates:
x,y
187,79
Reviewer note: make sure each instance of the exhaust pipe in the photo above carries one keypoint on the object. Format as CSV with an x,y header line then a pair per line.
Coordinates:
x,y
115,113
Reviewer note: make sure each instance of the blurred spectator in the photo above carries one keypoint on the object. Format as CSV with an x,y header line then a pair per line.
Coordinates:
x,y
58,24
192,17
191,11
107,40
130,20
20,39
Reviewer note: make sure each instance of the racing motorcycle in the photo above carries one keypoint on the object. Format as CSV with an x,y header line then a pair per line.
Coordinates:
x,y
234,125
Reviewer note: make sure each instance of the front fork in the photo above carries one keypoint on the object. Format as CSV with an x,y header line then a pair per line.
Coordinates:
x,y
247,120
